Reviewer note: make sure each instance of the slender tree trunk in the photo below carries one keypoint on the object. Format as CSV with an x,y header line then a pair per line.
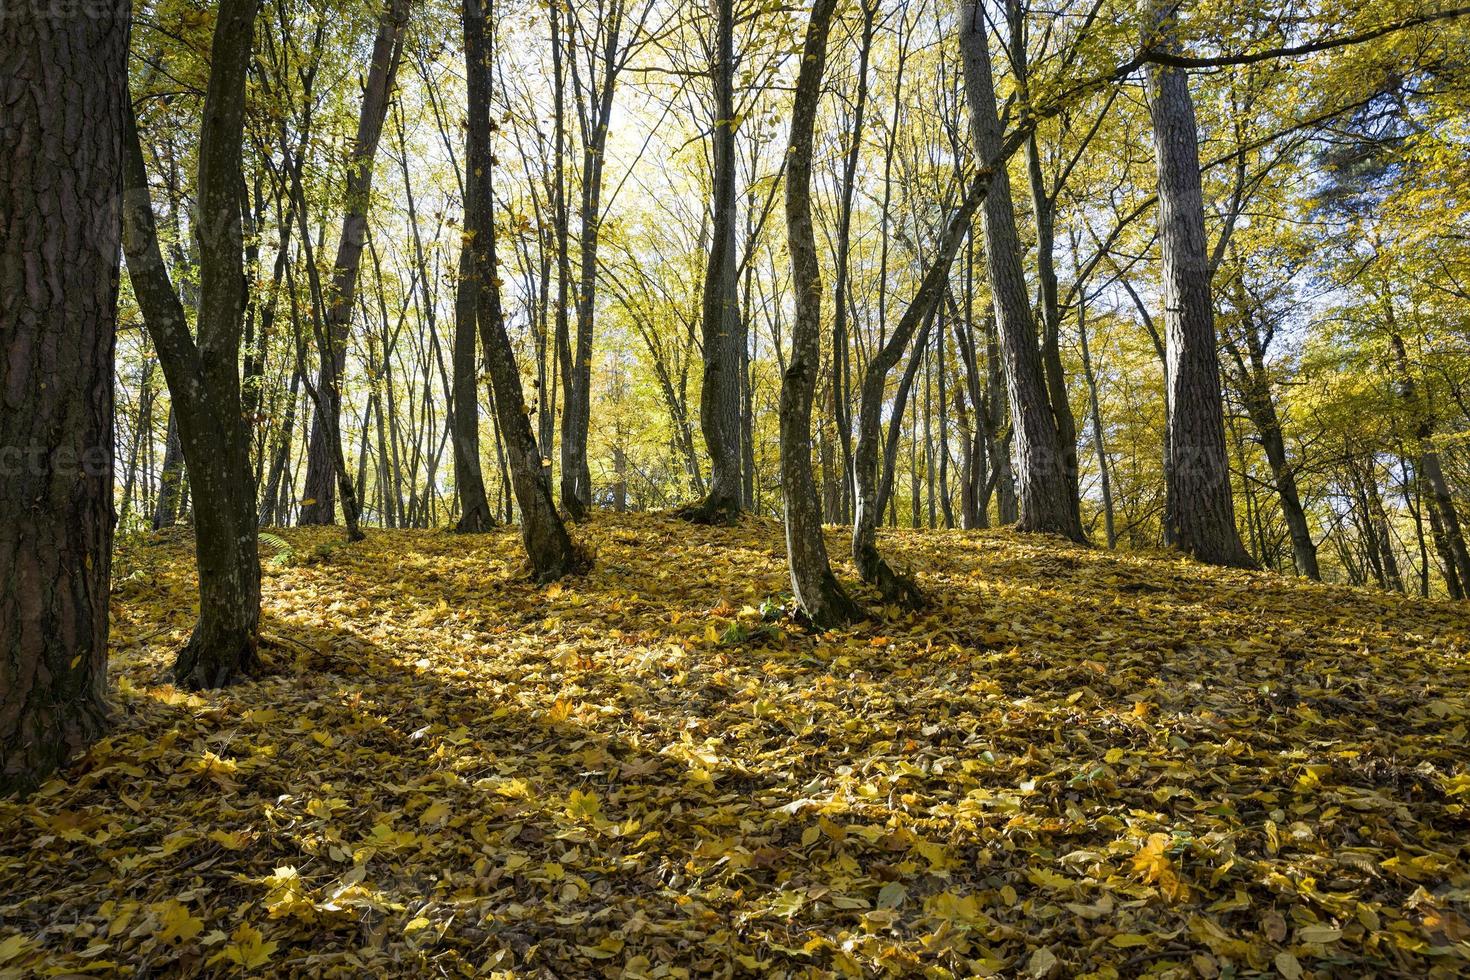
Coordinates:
x,y
171,481
204,377
469,480
723,329
1046,498
1105,479
869,489
320,507
548,547
1199,510
63,83
816,589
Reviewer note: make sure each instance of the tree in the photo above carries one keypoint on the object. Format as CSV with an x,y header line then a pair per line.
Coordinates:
x,y
469,481
1044,488
63,81
894,586
548,546
1199,510
322,470
723,328
203,375
817,591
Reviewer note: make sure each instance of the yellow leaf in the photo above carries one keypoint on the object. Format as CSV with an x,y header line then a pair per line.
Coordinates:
x,y
175,923
1287,966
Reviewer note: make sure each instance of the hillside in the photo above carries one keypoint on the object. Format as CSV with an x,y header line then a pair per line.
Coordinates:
x,y
1077,762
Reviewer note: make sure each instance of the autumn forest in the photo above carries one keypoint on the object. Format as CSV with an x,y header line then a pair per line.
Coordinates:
x,y
652,488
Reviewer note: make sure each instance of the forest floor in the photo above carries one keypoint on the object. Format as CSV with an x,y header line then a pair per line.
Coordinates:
x,y
1076,762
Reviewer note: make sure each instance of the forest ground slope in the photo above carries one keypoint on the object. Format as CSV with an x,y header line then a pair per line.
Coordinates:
x,y
1076,762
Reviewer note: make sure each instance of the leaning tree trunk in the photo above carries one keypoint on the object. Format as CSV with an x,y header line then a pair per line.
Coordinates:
x,y
469,479
321,461
817,591
874,570
204,377
1045,489
1199,509
724,334
63,82
548,546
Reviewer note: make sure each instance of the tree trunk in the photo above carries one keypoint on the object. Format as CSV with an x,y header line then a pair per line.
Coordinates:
x,y
723,329
204,377
548,547
1105,479
816,589
1045,495
469,479
320,505
171,481
1199,510
894,586
63,82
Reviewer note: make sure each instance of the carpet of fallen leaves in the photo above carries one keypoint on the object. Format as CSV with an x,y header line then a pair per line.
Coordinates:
x,y
1077,763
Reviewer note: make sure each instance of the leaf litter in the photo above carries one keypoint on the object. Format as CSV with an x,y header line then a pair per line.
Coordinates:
x,y
1076,763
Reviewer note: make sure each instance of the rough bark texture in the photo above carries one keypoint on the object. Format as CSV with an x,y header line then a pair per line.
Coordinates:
x,y
171,480
548,546
1199,509
874,570
724,333
321,479
469,479
817,591
1044,487
63,86
203,377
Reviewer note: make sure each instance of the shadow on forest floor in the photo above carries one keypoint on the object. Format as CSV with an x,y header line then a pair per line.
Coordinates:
x,y
1075,761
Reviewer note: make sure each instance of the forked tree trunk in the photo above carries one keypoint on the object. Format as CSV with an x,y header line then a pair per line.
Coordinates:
x,y
548,546
894,586
724,333
63,82
817,591
1199,509
1045,489
203,377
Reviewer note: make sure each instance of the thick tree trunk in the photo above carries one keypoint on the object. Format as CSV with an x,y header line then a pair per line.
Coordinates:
x,y
63,83
320,505
816,589
548,547
1199,510
1045,490
469,479
203,377
723,329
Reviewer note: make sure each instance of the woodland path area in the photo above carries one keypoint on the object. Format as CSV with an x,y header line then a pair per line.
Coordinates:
x,y
1076,760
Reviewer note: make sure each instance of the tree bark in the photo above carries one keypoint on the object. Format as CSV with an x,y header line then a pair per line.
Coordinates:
x,y
204,377
723,329
321,480
818,594
896,587
63,83
171,480
1199,510
548,546
1044,490
469,479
